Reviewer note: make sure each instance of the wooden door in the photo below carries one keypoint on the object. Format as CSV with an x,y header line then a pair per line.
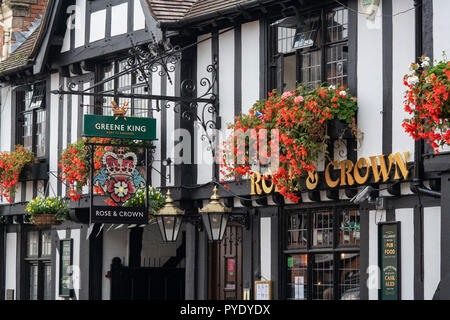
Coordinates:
x,y
225,266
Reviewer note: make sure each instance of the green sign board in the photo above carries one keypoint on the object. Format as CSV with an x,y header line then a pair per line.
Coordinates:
x,y
389,260
119,127
65,263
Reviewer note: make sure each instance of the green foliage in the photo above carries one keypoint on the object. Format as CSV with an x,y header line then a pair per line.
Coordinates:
x,y
47,205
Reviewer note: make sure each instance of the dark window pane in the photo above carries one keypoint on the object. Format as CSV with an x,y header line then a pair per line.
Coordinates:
x,y
297,230
47,282
40,133
33,282
337,65
108,87
311,69
297,277
33,244
46,243
349,227
323,228
337,25
349,276
322,277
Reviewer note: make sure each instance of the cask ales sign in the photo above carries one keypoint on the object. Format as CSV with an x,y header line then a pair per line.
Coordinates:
x,y
119,127
389,260
346,173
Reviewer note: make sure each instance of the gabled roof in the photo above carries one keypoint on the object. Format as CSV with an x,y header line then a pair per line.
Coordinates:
x,y
178,10
20,57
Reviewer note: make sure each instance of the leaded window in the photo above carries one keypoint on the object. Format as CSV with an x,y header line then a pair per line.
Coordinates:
x,y
129,83
32,115
313,47
39,264
322,254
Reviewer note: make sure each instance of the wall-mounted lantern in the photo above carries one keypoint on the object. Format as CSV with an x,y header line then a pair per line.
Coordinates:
x,y
169,220
215,217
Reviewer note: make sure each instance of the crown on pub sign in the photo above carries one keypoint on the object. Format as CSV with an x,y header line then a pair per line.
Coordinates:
x,y
120,164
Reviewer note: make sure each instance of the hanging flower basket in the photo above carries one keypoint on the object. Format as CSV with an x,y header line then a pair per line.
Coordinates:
x,y
47,211
46,219
428,102
300,120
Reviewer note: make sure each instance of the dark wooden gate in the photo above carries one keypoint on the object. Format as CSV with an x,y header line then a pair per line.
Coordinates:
x,y
146,283
225,266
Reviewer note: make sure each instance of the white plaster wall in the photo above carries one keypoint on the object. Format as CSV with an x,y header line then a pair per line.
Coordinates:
x,y
403,53
156,90
266,248
54,129
441,36
139,18
226,83
119,21
11,251
115,244
250,64
375,217
406,217
170,127
98,25
74,110
5,116
80,23
432,250
203,157
370,84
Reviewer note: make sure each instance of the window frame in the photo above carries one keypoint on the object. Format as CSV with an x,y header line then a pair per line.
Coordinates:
x,y
132,87
322,44
23,110
336,249
39,260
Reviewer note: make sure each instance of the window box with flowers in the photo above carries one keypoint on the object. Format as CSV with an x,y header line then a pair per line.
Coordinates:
x,y
11,165
302,119
427,102
46,211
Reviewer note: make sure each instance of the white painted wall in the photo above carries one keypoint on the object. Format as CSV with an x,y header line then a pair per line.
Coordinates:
x,y
266,250
98,25
119,23
54,129
80,23
406,217
11,251
156,90
441,36
403,53
226,83
170,127
370,84
375,217
250,64
139,17
115,244
5,116
203,157
432,250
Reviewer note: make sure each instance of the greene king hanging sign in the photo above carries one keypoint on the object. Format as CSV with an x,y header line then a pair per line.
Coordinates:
x,y
119,127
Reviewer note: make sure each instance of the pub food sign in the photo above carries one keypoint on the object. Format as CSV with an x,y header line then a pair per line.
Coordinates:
x,y
120,178
389,262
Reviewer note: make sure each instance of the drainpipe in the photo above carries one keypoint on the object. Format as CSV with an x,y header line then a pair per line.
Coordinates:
x,y
418,186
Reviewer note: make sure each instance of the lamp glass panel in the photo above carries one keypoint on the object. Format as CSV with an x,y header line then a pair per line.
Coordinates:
x,y
169,224
205,217
178,222
224,225
216,224
161,227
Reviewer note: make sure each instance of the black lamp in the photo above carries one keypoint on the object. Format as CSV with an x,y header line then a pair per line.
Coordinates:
x,y
169,220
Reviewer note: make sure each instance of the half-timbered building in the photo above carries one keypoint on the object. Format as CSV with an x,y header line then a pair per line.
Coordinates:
x,y
72,58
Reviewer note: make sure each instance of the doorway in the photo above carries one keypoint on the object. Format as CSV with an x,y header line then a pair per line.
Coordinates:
x,y
225,265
